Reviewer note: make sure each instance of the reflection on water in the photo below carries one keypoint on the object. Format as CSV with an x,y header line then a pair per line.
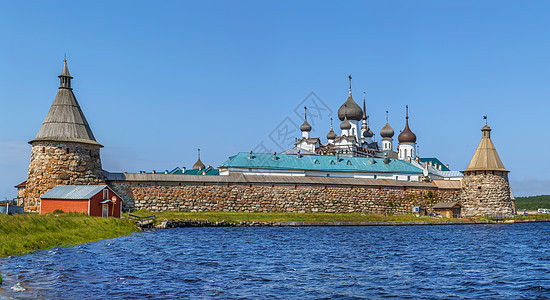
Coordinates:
x,y
439,261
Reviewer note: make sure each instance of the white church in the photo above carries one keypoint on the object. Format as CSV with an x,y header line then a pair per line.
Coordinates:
x,y
352,154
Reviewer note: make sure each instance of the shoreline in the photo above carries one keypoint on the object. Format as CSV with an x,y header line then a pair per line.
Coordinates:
x,y
168,224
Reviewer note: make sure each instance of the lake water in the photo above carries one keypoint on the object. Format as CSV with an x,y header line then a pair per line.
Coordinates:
x,y
506,261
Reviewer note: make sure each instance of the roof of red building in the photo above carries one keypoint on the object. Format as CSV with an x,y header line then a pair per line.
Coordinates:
x,y
22,184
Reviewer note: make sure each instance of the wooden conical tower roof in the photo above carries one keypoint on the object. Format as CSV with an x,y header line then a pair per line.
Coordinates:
x,y
486,157
65,121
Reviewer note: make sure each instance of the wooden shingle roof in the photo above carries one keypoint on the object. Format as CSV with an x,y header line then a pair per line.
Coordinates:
x,y
486,157
65,121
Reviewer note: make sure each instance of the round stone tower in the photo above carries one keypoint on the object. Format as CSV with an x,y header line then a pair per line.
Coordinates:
x,y
65,150
485,187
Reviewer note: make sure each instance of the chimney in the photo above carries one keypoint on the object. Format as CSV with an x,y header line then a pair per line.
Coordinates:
x,y
274,155
250,155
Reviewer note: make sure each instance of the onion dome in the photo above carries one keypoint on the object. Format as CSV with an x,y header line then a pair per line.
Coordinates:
x,y
407,136
386,131
368,133
331,134
305,127
199,165
350,108
346,125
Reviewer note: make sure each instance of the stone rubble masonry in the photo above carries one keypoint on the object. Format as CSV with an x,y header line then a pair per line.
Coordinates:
x,y
54,163
486,194
170,196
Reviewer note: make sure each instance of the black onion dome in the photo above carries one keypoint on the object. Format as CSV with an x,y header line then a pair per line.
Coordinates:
x,y
346,125
386,131
305,127
331,134
368,133
351,110
407,136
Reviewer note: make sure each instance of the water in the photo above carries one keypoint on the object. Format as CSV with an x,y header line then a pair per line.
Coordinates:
x,y
507,261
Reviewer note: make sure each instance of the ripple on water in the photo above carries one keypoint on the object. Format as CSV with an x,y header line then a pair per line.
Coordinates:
x,y
420,262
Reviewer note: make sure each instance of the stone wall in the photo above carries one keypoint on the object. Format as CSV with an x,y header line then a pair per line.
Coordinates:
x,y
486,194
54,163
172,196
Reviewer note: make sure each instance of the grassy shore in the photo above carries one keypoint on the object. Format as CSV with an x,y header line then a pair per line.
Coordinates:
x,y
20,234
236,217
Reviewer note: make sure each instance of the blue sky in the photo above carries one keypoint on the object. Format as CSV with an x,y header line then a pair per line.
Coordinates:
x,y
157,80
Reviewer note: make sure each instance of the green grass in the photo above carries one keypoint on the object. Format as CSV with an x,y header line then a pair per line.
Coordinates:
x,y
532,202
236,217
20,234
533,217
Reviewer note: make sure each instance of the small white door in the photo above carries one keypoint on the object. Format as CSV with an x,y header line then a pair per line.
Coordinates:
x,y
105,211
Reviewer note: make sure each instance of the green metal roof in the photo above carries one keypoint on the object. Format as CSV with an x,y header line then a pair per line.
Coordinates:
x,y
208,171
319,163
434,161
178,171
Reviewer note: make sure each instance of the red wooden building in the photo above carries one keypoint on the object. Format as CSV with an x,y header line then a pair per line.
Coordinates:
x,y
95,200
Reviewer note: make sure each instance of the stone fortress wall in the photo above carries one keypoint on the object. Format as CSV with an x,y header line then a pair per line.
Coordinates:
x,y
162,192
66,163
486,193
